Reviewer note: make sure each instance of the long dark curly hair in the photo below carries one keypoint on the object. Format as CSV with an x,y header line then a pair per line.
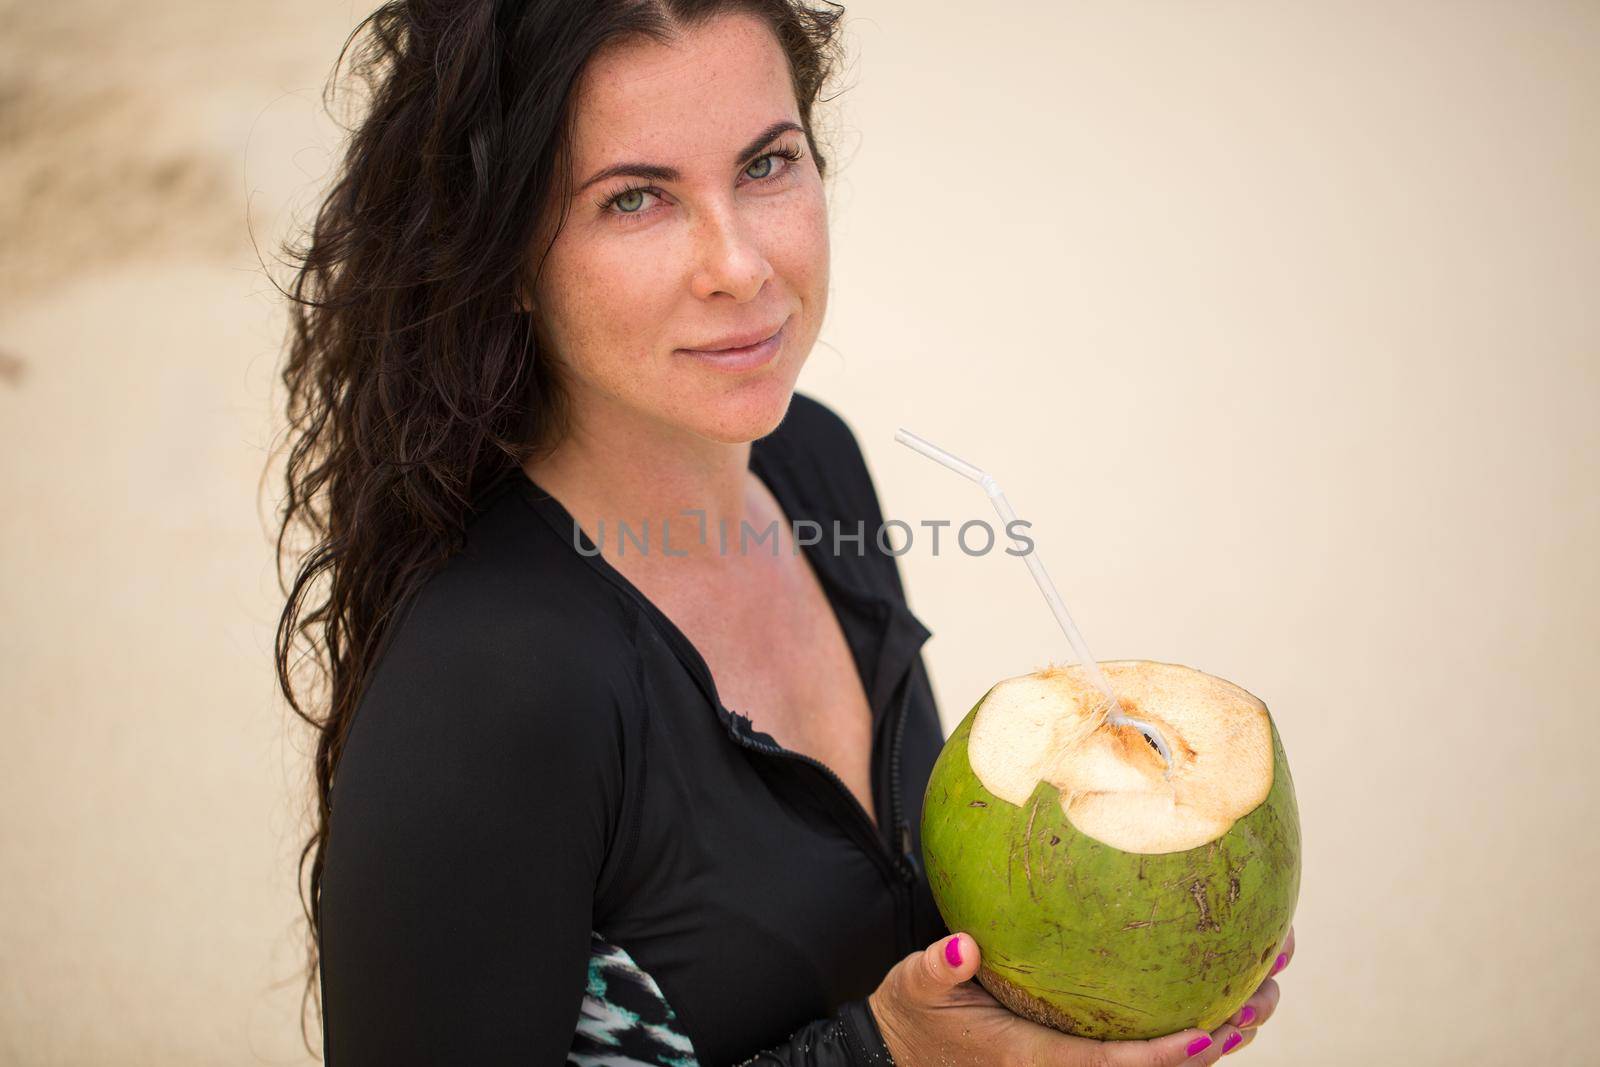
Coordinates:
x,y
414,377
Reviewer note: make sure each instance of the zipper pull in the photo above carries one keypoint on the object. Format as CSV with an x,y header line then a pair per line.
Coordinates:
x,y
910,868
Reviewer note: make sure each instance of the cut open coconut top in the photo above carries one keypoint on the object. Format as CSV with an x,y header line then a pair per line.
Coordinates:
x,y
1114,786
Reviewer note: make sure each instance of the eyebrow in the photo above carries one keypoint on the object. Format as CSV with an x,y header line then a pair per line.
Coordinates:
x,y
657,173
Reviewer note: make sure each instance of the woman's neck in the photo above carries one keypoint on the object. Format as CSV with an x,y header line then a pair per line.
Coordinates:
x,y
621,467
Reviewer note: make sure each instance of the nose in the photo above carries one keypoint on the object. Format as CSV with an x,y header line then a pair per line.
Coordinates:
x,y
729,258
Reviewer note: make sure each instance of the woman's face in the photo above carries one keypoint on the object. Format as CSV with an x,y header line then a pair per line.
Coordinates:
x,y
732,243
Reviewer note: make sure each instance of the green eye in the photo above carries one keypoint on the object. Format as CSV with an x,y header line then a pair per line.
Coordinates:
x,y
630,202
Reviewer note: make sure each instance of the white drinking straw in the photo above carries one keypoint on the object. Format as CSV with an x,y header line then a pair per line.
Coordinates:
x,y
1058,607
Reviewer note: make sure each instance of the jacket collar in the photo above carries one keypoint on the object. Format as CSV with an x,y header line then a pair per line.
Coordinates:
x,y
898,633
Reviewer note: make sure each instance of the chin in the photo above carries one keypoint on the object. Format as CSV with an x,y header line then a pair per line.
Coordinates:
x,y
743,412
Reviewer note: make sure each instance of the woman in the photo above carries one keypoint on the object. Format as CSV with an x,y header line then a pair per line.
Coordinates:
x,y
548,327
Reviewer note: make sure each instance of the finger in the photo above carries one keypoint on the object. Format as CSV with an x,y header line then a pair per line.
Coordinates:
x,y
1259,1008
1285,954
946,963
1225,1039
1247,1037
1174,1050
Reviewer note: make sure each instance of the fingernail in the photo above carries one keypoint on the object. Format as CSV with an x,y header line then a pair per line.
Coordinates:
x,y
1245,1015
952,951
1282,962
1198,1045
1233,1039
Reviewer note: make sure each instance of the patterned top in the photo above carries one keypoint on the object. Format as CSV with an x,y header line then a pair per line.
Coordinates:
x,y
625,1020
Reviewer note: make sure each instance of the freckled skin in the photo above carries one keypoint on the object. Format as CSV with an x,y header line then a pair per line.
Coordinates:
x,y
1098,942
734,245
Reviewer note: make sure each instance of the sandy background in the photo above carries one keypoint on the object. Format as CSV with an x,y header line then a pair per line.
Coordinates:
x,y
1278,320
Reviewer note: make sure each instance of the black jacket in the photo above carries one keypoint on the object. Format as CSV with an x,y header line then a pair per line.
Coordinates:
x,y
544,815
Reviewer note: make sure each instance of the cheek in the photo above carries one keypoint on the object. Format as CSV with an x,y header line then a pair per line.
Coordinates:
x,y
605,308
802,249
800,255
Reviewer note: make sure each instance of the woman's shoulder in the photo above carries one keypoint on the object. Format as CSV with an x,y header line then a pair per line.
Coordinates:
x,y
818,452
506,643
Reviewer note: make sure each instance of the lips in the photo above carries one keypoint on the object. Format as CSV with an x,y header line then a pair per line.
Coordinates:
x,y
741,360
744,339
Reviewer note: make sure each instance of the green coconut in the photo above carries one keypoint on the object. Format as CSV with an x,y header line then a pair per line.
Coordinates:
x,y
1111,896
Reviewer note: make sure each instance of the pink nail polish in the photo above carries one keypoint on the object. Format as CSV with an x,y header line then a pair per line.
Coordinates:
x,y
1198,1045
1282,962
1245,1015
952,951
1233,1039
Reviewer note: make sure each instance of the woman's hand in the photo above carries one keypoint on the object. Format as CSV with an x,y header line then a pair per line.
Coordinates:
x,y
931,1014
1259,1008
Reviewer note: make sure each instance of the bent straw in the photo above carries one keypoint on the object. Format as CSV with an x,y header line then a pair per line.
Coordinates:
x,y
1058,607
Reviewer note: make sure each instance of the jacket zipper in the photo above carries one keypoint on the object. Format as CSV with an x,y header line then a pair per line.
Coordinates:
x,y
906,866
907,856
899,868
